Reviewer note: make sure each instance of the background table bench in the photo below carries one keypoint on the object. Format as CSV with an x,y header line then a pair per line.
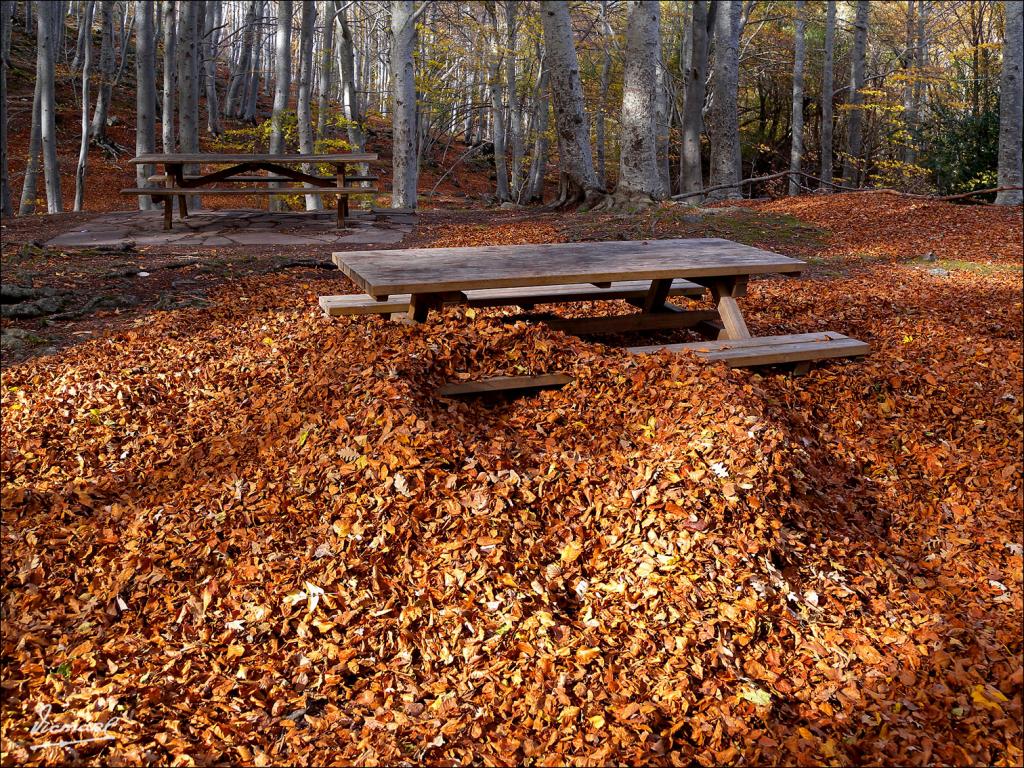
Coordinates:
x,y
240,170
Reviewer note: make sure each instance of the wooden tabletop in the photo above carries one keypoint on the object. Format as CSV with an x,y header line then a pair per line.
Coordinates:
x,y
215,157
435,270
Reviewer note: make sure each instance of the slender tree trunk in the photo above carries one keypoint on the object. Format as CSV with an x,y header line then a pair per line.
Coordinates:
x,y
515,109
83,149
234,100
282,83
691,175
498,117
326,70
83,35
170,68
45,61
574,156
126,29
352,105
211,37
145,94
602,106
1011,102
305,118
726,159
826,98
662,123
6,9
252,89
796,153
99,116
855,124
639,175
29,189
189,24
405,171
535,193
908,60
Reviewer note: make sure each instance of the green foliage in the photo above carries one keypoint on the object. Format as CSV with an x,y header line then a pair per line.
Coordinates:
x,y
961,149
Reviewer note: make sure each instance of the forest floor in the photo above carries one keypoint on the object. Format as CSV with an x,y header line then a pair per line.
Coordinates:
x,y
255,535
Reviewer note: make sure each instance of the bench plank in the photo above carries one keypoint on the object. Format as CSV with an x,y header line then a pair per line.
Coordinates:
x,y
768,350
361,304
504,384
201,191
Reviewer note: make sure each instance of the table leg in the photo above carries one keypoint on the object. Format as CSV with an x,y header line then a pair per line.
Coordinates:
x,y
420,305
168,210
725,293
339,175
172,173
656,296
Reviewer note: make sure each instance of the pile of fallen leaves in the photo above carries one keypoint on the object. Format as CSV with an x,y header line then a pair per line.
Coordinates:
x,y
254,534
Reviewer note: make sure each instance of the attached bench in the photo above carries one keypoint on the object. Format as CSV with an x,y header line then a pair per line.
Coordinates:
x,y
169,193
504,385
360,304
800,348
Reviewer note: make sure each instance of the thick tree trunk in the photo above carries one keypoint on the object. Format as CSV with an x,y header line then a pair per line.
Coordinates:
x,y
210,44
323,105
405,170
855,123
45,61
1011,102
303,110
497,112
282,83
145,94
695,74
83,149
103,92
826,97
796,153
574,156
639,175
170,68
723,128
6,9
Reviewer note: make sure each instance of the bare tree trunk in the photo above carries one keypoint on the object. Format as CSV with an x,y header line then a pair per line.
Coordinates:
x,y
602,106
29,189
908,60
498,117
639,176
351,103
575,159
1011,101
189,24
796,153
282,83
83,34
252,87
211,37
6,9
234,100
170,67
326,70
515,109
691,176
99,116
45,60
726,160
145,94
535,192
405,171
305,118
826,98
83,149
661,123
855,123
126,28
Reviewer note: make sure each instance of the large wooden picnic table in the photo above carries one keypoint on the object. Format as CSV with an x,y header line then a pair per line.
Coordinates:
x,y
241,169
434,276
